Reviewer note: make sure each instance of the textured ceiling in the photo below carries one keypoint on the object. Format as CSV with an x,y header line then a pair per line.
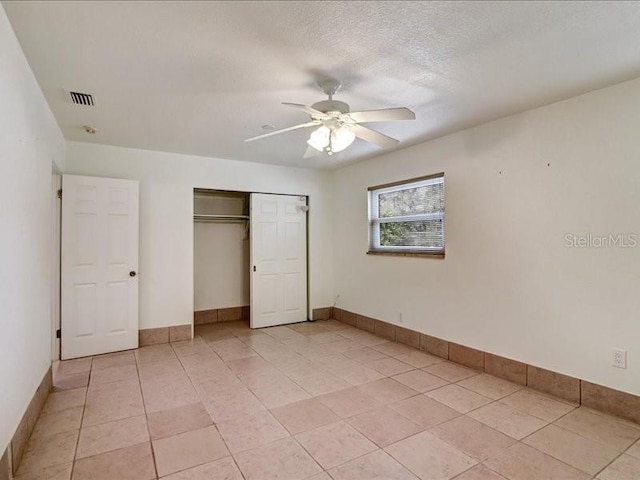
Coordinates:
x,y
199,77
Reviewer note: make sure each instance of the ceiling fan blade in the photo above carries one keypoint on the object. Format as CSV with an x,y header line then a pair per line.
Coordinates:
x,y
311,152
288,129
372,136
384,115
311,111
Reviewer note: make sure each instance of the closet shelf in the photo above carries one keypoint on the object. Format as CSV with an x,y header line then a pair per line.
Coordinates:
x,y
220,218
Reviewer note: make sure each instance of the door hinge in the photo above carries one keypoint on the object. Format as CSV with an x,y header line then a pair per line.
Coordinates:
x,y
58,333
60,193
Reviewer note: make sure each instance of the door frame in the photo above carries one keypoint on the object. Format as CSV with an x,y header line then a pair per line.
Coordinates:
x,y
56,260
249,192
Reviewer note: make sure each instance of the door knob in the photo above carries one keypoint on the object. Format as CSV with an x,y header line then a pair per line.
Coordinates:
x,y
132,273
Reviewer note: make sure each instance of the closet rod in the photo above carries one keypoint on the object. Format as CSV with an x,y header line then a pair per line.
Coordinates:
x,y
221,217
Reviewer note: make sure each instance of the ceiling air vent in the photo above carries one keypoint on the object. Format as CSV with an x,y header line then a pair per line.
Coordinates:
x,y
82,99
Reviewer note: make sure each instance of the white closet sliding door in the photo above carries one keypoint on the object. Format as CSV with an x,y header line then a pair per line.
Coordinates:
x,y
278,259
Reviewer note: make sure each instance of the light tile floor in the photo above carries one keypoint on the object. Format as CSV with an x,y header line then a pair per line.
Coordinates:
x,y
315,400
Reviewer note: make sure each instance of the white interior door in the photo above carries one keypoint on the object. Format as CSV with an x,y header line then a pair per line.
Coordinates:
x,y
278,259
99,265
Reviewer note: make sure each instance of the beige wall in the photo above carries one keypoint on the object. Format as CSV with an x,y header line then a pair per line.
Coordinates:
x,y
30,141
509,283
221,265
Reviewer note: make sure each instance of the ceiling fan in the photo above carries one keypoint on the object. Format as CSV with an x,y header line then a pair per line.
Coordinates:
x,y
337,126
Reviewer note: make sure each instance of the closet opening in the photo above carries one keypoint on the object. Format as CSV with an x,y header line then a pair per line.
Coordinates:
x,y
220,256
250,258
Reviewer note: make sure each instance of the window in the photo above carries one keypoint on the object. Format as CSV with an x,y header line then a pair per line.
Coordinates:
x,y
408,217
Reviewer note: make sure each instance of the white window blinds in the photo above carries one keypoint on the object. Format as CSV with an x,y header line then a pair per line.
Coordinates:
x,y
408,216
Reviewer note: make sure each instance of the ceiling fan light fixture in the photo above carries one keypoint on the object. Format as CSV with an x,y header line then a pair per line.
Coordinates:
x,y
341,138
320,138
336,126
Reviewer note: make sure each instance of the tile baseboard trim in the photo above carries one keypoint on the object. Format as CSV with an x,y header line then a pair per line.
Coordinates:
x,y
231,314
5,464
11,457
571,389
158,336
215,315
324,313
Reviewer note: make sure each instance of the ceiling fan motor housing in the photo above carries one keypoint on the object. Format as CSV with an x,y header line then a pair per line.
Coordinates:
x,y
326,106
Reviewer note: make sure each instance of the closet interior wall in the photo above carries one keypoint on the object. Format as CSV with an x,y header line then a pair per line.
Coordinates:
x,y
221,256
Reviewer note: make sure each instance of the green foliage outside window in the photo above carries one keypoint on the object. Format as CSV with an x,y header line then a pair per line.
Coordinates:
x,y
427,199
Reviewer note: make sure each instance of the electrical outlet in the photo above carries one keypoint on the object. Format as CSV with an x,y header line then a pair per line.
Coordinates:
x,y
400,317
619,358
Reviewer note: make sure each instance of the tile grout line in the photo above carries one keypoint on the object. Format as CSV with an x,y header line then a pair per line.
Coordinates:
x,y
84,408
146,417
268,410
215,425
614,460
575,433
240,380
178,357
545,454
460,475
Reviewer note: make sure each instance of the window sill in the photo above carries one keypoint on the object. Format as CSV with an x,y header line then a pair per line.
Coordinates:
x,y
407,254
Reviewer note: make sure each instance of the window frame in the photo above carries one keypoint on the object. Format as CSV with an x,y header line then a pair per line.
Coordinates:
x,y
375,220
